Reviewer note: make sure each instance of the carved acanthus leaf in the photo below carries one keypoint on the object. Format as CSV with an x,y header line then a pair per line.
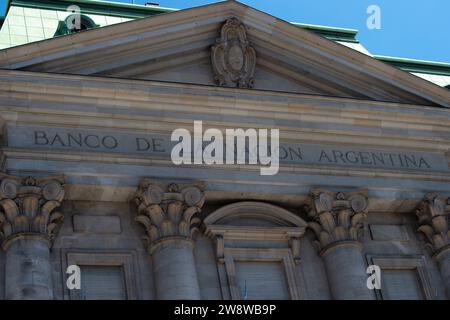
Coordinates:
x,y
169,210
337,216
28,205
433,215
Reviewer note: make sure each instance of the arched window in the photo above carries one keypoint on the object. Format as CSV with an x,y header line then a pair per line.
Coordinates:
x,y
257,247
75,23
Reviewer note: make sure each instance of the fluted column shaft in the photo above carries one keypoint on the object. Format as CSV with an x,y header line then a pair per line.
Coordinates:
x,y
337,224
29,223
170,217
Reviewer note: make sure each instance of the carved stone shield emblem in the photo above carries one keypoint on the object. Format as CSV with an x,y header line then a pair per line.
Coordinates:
x,y
233,59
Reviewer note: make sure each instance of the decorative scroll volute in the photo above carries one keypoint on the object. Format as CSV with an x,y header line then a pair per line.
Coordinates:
x,y
433,217
337,216
169,210
28,206
233,59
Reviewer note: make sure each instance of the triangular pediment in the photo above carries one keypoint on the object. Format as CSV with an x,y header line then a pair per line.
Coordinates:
x,y
176,47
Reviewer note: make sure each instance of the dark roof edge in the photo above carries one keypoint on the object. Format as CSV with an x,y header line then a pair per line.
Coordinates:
x,y
332,33
125,10
419,66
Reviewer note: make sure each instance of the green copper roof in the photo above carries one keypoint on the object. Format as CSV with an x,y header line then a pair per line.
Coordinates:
x,y
125,10
332,33
419,66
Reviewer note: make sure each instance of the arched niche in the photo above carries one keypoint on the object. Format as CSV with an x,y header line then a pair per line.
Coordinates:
x,y
255,232
256,214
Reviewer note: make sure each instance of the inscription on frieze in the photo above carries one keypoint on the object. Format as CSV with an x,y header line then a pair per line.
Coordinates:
x,y
160,145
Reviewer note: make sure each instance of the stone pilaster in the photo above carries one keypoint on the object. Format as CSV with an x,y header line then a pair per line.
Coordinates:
x,y
169,214
29,222
433,216
337,222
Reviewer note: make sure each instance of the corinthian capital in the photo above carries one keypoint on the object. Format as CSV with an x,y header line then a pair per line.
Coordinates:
x,y
27,207
337,216
168,211
433,216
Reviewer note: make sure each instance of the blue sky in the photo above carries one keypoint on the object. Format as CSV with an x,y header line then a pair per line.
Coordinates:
x,y
416,29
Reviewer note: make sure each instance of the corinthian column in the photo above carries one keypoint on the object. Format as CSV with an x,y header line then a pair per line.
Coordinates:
x,y
337,224
433,216
169,215
28,224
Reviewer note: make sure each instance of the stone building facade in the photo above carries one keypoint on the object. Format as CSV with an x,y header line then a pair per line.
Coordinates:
x,y
87,178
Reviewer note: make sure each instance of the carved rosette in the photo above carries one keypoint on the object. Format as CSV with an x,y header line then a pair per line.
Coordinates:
x,y
28,207
433,216
337,216
233,59
168,211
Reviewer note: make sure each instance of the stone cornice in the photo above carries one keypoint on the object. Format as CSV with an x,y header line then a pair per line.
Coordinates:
x,y
337,216
22,81
433,217
341,122
28,207
416,127
169,211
